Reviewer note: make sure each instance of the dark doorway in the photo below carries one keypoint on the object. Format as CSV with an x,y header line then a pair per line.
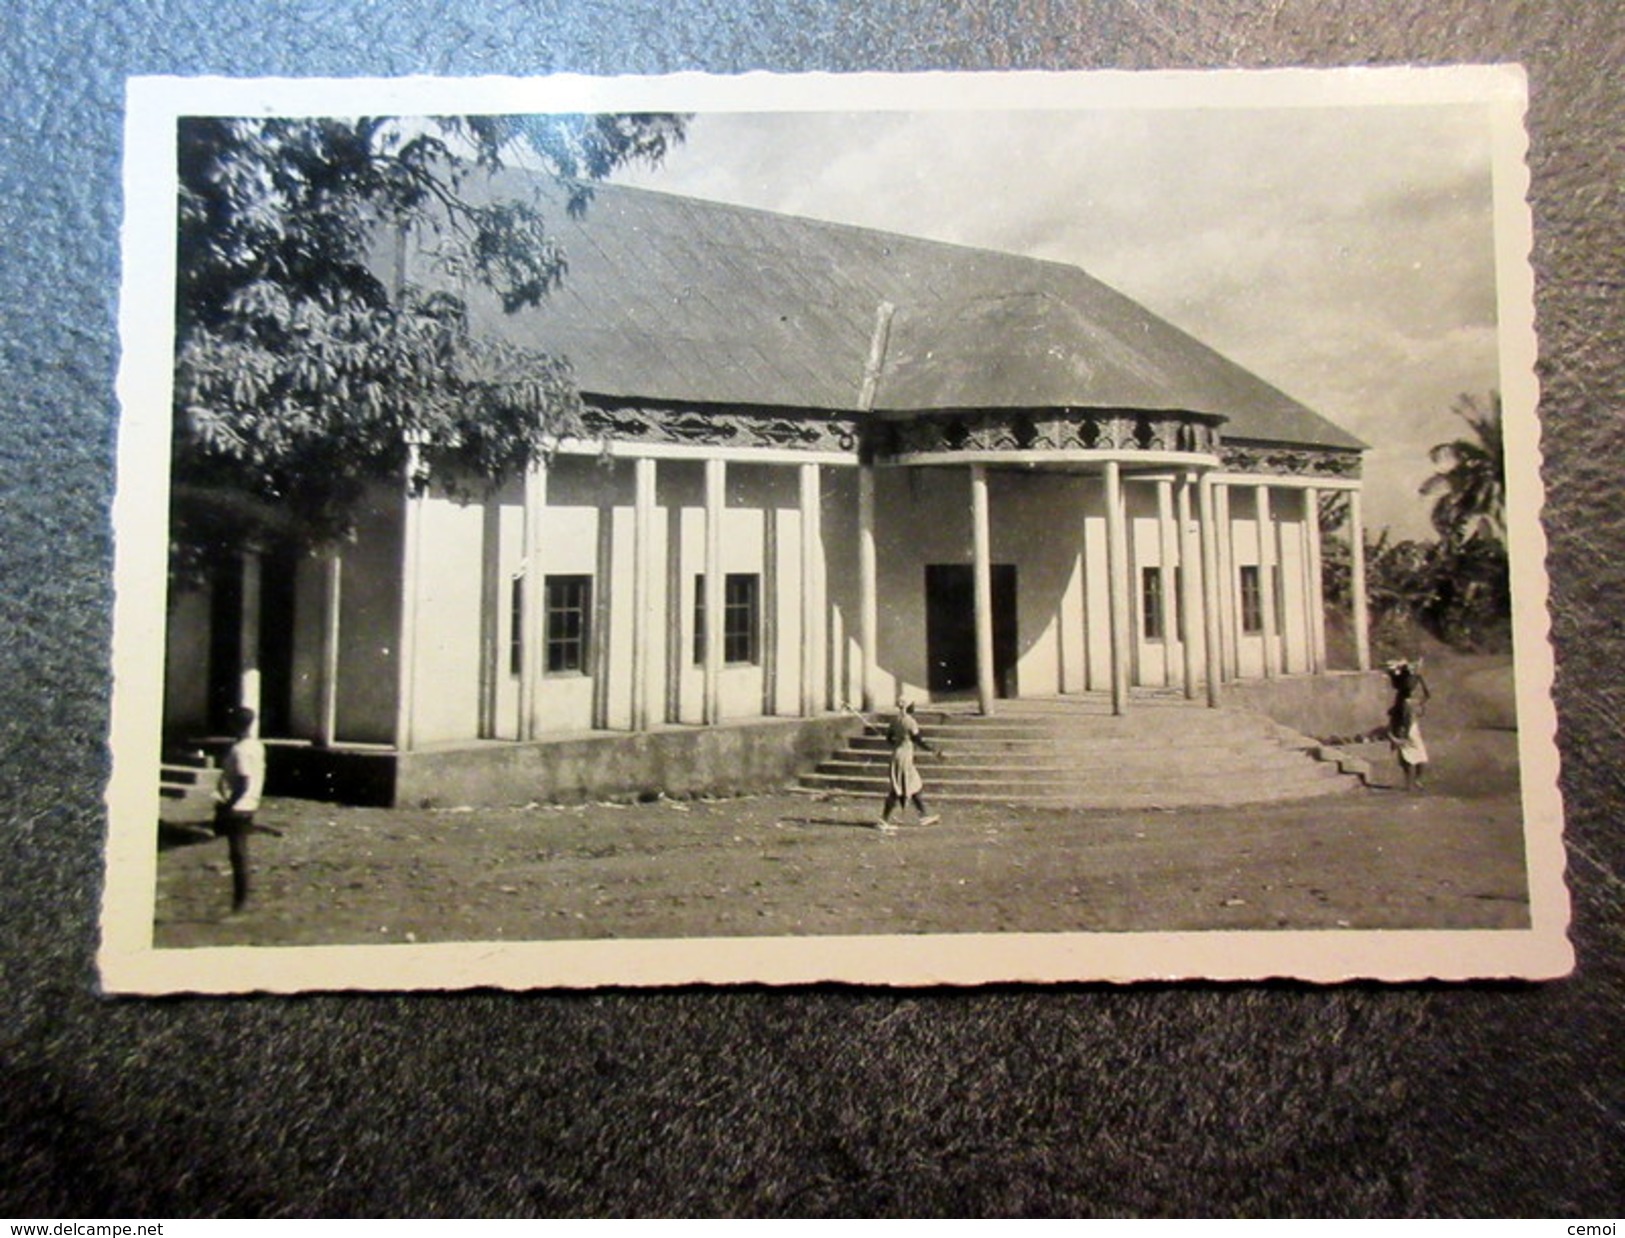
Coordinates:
x,y
278,589
274,657
950,627
225,640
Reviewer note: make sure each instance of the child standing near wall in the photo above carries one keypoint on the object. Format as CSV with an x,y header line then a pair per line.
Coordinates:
x,y
237,798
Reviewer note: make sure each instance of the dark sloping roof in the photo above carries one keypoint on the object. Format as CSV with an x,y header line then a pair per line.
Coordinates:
x,y
676,299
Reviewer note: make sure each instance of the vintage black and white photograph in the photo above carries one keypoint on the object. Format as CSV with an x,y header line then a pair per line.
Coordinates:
x,y
895,530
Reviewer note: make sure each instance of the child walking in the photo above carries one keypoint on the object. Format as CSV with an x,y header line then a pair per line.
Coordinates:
x,y
903,736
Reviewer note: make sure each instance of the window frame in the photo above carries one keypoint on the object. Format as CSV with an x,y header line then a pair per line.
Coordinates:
x,y
557,606
1153,606
516,625
739,635
1251,597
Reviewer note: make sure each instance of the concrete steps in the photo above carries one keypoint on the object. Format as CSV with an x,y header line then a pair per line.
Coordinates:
x,y
187,777
1072,752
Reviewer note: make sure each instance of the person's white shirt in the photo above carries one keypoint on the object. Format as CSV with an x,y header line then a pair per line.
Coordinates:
x,y
245,759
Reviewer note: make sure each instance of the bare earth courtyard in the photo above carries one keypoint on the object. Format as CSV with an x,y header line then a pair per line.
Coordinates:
x,y
786,864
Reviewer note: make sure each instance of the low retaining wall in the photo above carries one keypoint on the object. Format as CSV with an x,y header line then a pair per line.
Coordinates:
x,y
731,759
341,776
1319,706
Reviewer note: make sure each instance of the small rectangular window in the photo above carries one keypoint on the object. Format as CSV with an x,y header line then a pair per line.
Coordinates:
x,y
569,623
741,619
1252,604
516,629
1151,603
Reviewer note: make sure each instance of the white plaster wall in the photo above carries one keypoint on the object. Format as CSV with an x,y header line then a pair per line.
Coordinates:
x,y
369,622
1097,616
510,568
842,674
1048,525
1244,552
446,612
1160,662
1286,532
309,604
921,516
1145,551
1036,522
744,526
1288,511
186,650
569,546
784,592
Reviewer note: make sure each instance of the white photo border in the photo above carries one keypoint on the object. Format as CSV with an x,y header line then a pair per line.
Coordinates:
x,y
131,964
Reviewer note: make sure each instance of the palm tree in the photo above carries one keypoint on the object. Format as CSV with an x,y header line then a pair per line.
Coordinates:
x,y
1471,485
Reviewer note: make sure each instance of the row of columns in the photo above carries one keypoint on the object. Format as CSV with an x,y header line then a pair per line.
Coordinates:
x,y
1199,593
1206,500
646,626
1217,650
251,577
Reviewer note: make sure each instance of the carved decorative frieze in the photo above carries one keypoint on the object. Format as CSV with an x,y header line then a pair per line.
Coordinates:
x,y
720,428
1290,461
1050,430
999,430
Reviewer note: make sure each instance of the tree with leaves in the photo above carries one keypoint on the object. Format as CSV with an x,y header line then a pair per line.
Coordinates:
x,y
306,370
1471,481
1455,586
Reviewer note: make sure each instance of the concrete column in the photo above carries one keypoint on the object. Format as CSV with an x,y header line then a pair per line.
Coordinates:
x,y
982,576
1267,559
1362,612
491,602
327,707
1117,583
411,558
812,627
716,498
644,559
1314,583
1167,534
770,611
598,631
868,604
533,598
1224,585
1192,574
1213,588
248,634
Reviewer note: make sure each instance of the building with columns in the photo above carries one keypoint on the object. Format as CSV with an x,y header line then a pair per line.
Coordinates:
x,y
817,466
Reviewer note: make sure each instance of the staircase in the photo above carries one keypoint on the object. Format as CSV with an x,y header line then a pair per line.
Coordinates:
x,y
187,777
1164,752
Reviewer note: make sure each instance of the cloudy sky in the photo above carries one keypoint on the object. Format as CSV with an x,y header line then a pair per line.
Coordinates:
x,y
1344,254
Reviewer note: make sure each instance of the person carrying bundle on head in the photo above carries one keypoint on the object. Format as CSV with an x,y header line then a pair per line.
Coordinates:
x,y
1411,695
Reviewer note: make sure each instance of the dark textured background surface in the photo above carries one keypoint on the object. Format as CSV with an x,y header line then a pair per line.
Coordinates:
x,y
1186,1100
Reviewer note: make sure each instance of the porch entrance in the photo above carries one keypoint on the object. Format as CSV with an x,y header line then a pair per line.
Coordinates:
x,y
950,628
251,627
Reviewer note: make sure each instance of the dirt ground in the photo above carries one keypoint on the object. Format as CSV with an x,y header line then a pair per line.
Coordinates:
x,y
788,864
